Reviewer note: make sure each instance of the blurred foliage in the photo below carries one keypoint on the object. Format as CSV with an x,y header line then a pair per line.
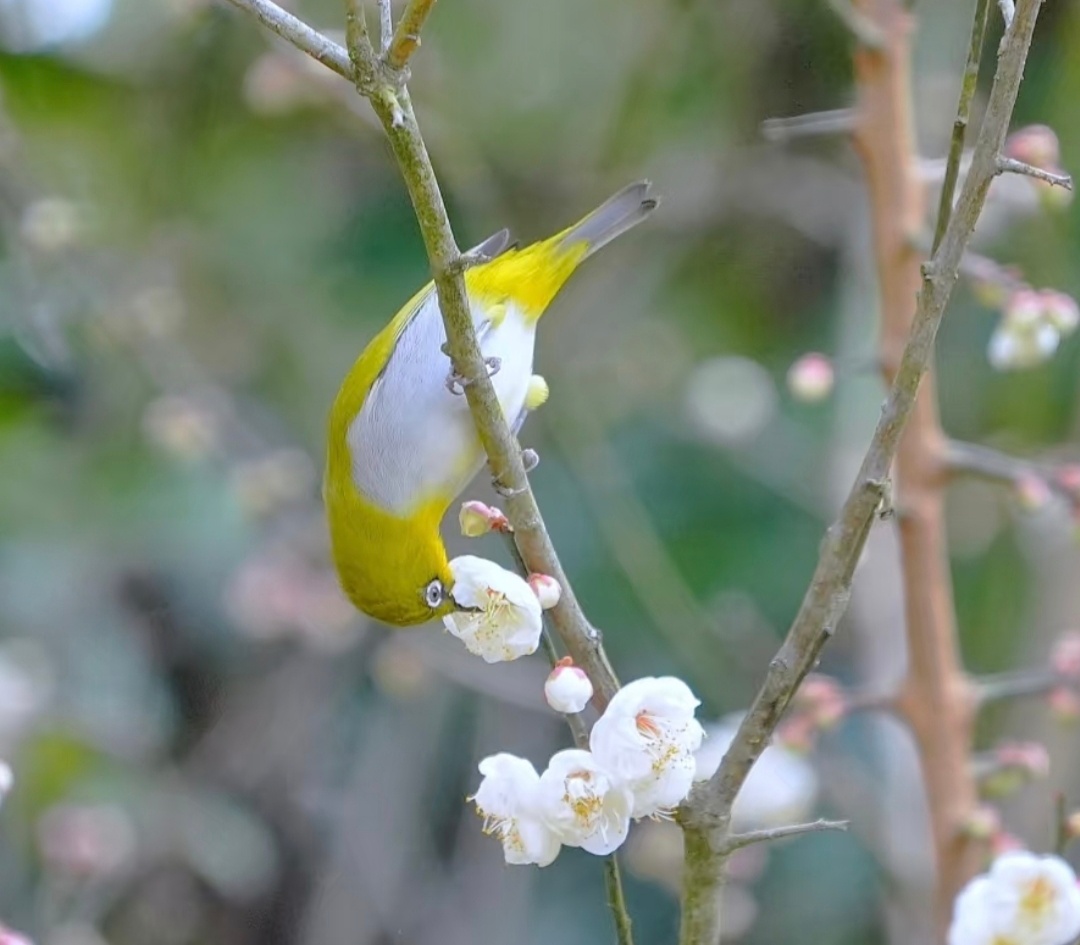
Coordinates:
x,y
200,231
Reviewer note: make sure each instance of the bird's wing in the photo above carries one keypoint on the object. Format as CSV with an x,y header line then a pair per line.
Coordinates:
x,y
413,438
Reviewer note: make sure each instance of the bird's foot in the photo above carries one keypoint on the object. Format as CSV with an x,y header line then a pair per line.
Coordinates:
x,y
456,383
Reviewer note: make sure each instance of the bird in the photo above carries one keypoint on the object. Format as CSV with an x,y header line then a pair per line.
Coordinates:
x,y
401,445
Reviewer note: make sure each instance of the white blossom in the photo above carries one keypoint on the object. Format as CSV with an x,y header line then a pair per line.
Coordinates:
x,y
780,789
1014,346
1024,900
567,688
502,619
646,738
507,799
583,803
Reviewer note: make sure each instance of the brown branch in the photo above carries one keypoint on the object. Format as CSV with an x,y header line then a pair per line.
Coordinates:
x,y
407,35
935,698
706,816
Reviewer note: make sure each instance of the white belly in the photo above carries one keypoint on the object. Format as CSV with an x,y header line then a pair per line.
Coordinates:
x,y
413,437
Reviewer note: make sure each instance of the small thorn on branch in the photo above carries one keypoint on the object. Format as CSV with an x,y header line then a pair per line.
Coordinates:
x,y
739,840
1007,165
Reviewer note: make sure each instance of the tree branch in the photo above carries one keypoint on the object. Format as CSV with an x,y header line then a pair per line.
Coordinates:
x,y
739,840
302,36
963,115
380,82
706,816
407,36
1008,165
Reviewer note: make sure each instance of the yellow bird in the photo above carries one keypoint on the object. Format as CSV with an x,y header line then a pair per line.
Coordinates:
x,y
401,443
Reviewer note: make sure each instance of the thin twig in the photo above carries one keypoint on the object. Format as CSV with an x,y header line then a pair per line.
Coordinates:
x,y
963,115
833,122
739,840
407,36
706,816
617,901
1008,165
302,36
984,462
1018,683
386,26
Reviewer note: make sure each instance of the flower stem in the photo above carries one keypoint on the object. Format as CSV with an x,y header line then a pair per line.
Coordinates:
x,y
617,901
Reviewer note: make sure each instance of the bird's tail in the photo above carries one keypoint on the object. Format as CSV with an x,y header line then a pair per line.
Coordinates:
x,y
533,275
611,219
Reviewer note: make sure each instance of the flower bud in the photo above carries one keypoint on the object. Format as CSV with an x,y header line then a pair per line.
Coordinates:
x,y
1036,145
11,937
1005,842
1064,704
476,519
567,689
1072,825
546,589
1032,492
1031,759
1060,310
821,698
1024,307
536,394
1065,657
810,379
1068,478
984,823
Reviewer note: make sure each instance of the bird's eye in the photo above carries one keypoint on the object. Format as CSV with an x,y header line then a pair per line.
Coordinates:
x,y
434,594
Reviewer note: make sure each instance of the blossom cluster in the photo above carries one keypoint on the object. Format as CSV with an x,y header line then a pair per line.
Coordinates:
x,y
640,763
1031,328
1023,900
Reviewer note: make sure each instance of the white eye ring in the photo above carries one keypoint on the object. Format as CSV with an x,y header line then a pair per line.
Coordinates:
x,y
434,594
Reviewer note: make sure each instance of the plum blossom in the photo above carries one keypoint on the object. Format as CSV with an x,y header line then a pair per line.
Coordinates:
x,y
1023,900
501,619
583,804
646,738
507,799
567,688
810,378
1031,328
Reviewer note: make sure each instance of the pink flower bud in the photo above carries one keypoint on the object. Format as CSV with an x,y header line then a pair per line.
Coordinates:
x,y
1065,657
821,698
1028,758
1036,145
810,379
1005,842
546,589
1060,310
797,734
476,519
984,823
1024,308
1032,492
1068,478
11,937
1072,825
567,688
1064,704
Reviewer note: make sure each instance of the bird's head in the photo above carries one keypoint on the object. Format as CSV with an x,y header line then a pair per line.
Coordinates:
x,y
393,569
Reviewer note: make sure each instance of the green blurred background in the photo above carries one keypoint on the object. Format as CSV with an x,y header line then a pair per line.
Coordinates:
x,y
200,230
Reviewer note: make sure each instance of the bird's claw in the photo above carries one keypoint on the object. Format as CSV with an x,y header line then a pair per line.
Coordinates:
x,y
456,383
